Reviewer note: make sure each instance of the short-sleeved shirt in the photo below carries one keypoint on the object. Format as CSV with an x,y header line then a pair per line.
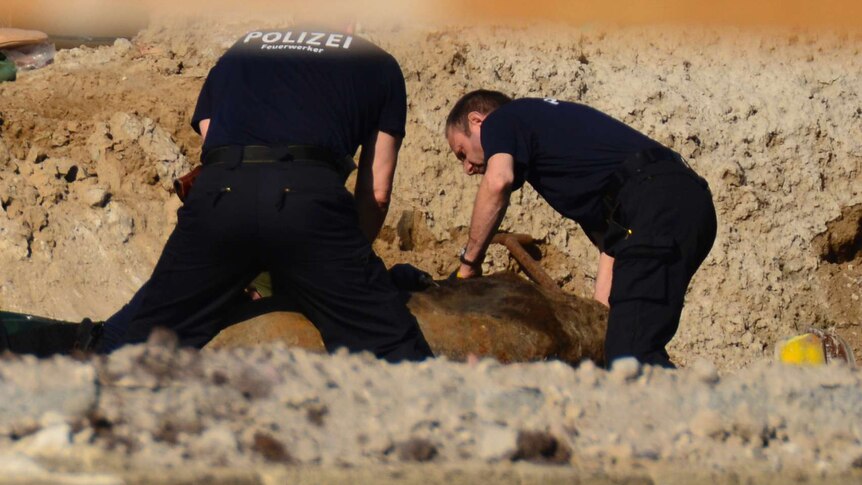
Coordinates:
x,y
302,86
566,151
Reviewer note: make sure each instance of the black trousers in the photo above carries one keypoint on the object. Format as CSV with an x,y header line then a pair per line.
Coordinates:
x,y
670,213
296,220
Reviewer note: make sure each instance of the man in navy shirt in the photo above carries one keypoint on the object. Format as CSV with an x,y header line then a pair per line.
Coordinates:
x,y
281,112
649,214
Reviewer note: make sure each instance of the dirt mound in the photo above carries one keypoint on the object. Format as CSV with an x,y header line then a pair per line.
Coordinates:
x,y
88,147
154,407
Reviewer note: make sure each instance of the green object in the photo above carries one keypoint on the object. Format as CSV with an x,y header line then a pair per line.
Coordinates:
x,y
15,323
28,334
8,71
263,284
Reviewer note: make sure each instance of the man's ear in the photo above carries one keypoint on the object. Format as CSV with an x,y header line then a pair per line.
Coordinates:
x,y
475,118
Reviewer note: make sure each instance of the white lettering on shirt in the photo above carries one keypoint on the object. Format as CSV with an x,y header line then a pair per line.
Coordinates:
x,y
252,35
292,47
305,41
271,37
334,40
315,38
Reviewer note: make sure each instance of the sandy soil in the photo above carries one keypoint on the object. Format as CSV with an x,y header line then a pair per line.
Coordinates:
x,y
266,413
90,144
89,147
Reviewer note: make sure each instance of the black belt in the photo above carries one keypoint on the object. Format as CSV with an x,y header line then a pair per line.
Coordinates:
x,y
634,165
636,162
234,154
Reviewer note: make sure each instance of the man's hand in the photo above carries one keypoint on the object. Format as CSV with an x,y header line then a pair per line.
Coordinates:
x,y
465,271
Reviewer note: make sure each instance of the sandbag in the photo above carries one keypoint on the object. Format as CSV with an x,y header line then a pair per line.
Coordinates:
x,y
78,19
10,38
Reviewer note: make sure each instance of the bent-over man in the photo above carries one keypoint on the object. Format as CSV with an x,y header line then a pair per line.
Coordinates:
x,y
649,214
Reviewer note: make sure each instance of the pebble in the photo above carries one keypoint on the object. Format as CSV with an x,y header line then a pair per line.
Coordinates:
x,y
707,423
705,372
496,443
53,438
624,369
217,441
16,464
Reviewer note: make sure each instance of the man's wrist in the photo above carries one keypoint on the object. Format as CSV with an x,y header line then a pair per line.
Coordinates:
x,y
462,257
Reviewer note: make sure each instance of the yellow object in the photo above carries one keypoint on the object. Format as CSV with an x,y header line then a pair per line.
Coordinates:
x,y
805,349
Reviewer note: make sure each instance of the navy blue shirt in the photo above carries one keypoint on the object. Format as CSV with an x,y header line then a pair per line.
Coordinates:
x,y
566,151
302,87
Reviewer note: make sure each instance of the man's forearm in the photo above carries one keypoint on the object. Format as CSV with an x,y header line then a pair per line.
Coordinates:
x,y
204,126
371,214
488,212
377,163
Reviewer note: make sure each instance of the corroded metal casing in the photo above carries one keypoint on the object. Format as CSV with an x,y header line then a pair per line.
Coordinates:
x,y
501,316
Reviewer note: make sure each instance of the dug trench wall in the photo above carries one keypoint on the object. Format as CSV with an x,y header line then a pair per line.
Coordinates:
x,y
90,144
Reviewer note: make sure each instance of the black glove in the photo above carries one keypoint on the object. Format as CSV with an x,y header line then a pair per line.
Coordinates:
x,y
407,277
